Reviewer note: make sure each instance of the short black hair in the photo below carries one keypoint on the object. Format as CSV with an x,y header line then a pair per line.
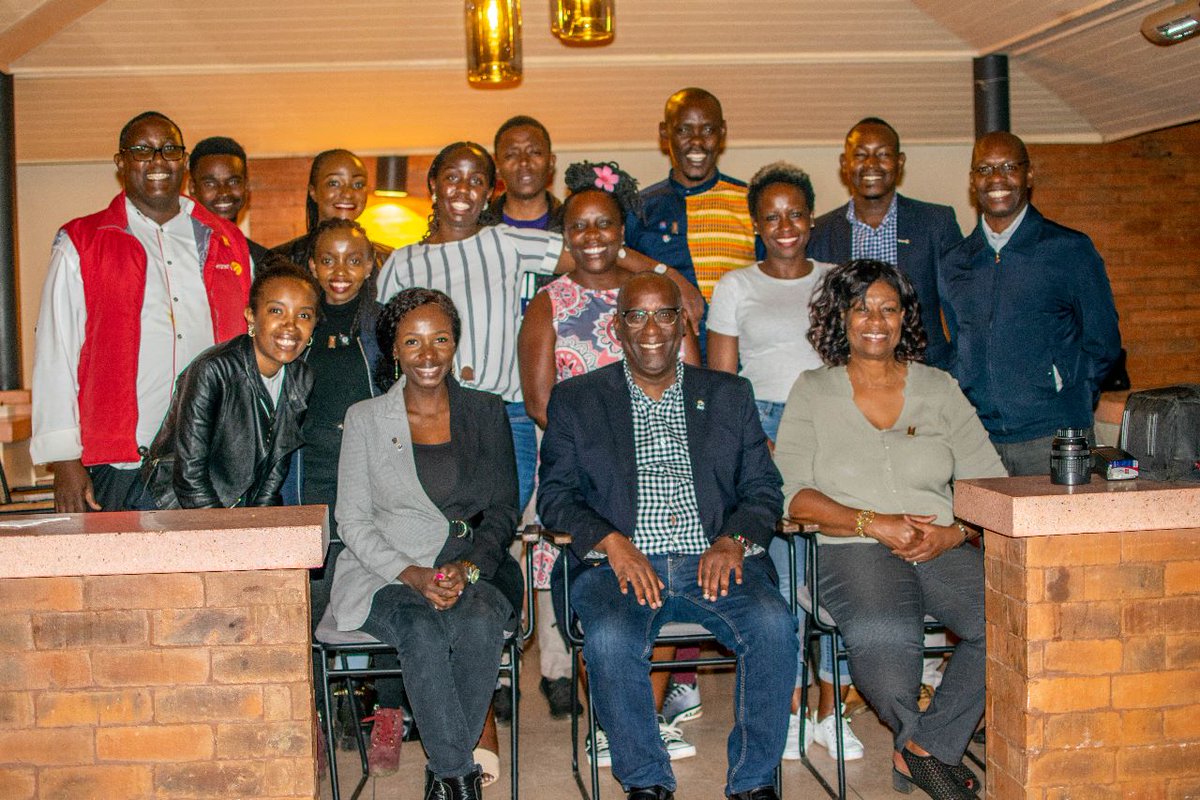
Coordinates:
x,y
779,172
584,176
519,121
396,309
215,146
876,121
845,285
145,115
276,267
489,168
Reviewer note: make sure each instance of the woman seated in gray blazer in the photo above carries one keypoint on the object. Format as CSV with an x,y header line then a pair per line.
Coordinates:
x,y
869,447
427,504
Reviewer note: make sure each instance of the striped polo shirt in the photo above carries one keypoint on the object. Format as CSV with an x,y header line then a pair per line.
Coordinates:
x,y
703,231
483,275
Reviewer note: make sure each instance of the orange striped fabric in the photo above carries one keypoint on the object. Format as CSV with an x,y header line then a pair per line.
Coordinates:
x,y
719,233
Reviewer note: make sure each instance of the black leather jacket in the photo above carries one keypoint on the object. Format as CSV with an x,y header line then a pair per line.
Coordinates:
x,y
221,444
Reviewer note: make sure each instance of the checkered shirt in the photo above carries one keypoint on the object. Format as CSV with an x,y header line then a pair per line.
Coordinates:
x,y
877,243
668,515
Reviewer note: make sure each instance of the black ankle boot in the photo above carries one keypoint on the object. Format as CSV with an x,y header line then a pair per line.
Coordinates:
x,y
435,789
465,787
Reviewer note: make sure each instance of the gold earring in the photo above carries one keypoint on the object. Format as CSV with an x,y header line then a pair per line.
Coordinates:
x,y
396,371
250,329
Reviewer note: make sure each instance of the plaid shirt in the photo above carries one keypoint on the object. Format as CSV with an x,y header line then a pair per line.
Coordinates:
x,y
668,515
877,243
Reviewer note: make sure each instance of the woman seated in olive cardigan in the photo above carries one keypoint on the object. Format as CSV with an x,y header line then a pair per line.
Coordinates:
x,y
869,446
427,505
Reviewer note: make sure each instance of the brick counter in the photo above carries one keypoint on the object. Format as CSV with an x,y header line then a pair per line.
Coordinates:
x,y
1093,637
178,681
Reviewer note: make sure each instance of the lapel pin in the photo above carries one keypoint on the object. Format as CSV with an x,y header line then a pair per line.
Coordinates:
x,y
912,430
903,241
699,405
396,441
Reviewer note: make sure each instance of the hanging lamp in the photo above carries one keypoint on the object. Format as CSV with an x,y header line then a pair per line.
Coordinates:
x,y
493,42
588,22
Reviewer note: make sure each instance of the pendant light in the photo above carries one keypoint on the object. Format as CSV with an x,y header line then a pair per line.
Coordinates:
x,y
493,42
583,21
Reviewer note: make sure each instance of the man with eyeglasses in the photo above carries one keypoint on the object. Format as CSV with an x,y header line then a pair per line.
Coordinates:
x,y
134,292
883,224
662,476
1030,313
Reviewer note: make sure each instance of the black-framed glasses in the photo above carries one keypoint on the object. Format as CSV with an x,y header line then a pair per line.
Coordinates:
x,y
1007,168
637,318
144,152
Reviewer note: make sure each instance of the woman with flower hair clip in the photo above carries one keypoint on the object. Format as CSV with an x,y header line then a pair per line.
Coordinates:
x,y
568,331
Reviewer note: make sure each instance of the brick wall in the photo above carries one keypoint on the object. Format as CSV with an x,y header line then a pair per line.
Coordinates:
x,y
194,685
1137,199
1093,655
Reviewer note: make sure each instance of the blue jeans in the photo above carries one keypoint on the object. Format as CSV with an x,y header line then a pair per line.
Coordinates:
x,y
752,621
524,435
769,414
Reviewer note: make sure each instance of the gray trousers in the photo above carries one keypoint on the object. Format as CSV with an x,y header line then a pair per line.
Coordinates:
x,y
450,660
880,603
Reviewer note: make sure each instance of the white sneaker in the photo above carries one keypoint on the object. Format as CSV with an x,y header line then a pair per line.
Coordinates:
x,y
682,703
824,733
602,754
672,737
791,749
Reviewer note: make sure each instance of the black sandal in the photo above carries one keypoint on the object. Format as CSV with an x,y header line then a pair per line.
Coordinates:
x,y
936,778
965,777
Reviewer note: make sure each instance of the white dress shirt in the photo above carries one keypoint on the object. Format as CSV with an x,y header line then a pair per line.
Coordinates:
x,y
176,325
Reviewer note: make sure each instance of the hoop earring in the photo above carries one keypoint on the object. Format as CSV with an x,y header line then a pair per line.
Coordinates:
x,y
310,341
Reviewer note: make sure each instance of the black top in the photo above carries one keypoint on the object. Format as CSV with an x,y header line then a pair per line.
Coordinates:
x,y
437,471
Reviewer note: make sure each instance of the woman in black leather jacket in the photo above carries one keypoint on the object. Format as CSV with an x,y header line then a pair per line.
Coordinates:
x,y
235,417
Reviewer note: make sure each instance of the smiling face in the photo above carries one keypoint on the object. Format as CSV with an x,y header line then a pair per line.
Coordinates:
x,y
652,350
219,183
693,134
1001,196
152,186
462,186
524,161
424,346
283,322
873,324
594,228
342,261
783,220
341,187
872,162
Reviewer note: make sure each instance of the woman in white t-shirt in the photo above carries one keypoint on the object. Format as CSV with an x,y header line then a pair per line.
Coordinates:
x,y
759,319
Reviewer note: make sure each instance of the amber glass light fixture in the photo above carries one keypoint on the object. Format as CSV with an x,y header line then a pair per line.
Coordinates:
x,y
493,42
582,21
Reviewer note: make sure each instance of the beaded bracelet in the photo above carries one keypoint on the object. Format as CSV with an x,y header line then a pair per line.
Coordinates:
x,y
862,520
742,540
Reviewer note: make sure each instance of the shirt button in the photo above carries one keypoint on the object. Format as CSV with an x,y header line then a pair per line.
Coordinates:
x,y
674,520
179,336
176,299
170,262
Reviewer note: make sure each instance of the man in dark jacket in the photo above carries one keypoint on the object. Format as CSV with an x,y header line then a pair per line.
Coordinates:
x,y
661,473
879,223
1030,313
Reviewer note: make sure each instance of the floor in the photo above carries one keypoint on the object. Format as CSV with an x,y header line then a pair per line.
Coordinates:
x,y
546,742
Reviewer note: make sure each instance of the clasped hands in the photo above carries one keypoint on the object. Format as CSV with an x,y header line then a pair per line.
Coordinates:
x,y
914,537
720,565
440,586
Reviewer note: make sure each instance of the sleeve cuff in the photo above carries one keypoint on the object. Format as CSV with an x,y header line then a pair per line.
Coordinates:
x,y
64,445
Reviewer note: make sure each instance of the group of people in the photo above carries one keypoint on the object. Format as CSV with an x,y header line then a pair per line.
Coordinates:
x,y
857,365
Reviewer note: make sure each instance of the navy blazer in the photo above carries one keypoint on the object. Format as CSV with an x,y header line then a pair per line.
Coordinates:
x,y
923,232
588,478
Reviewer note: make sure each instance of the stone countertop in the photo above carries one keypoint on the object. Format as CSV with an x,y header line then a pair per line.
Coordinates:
x,y
1032,506
137,542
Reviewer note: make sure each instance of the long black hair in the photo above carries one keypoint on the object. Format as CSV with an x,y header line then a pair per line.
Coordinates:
x,y
311,214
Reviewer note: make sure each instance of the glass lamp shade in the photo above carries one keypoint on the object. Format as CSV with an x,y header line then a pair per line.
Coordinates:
x,y
583,21
493,41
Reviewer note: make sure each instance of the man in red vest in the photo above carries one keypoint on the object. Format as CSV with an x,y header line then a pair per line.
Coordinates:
x,y
134,292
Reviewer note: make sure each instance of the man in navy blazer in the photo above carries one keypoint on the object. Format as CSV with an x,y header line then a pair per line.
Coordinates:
x,y
662,476
882,224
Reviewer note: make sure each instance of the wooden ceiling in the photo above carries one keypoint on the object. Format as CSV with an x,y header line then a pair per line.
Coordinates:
x,y
388,76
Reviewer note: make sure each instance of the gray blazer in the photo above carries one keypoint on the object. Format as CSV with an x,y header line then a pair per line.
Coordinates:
x,y
385,518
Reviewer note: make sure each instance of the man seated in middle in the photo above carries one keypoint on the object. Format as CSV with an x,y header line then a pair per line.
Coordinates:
x,y
662,475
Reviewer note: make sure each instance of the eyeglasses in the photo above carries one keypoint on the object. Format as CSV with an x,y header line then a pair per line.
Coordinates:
x,y
1007,168
637,318
144,152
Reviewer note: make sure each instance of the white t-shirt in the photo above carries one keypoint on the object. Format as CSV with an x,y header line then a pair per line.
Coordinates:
x,y
769,317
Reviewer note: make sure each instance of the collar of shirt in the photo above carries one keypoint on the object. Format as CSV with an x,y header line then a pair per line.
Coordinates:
x,y
180,223
878,243
889,219
998,240
688,191
673,394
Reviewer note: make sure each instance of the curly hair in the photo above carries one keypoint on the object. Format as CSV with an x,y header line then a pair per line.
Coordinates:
x,y
779,172
275,267
489,167
584,176
846,285
405,301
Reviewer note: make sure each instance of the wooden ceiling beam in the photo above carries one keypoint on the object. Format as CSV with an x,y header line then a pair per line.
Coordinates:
x,y
40,25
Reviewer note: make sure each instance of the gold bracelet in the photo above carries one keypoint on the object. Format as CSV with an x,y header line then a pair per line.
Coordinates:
x,y
862,520
964,530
